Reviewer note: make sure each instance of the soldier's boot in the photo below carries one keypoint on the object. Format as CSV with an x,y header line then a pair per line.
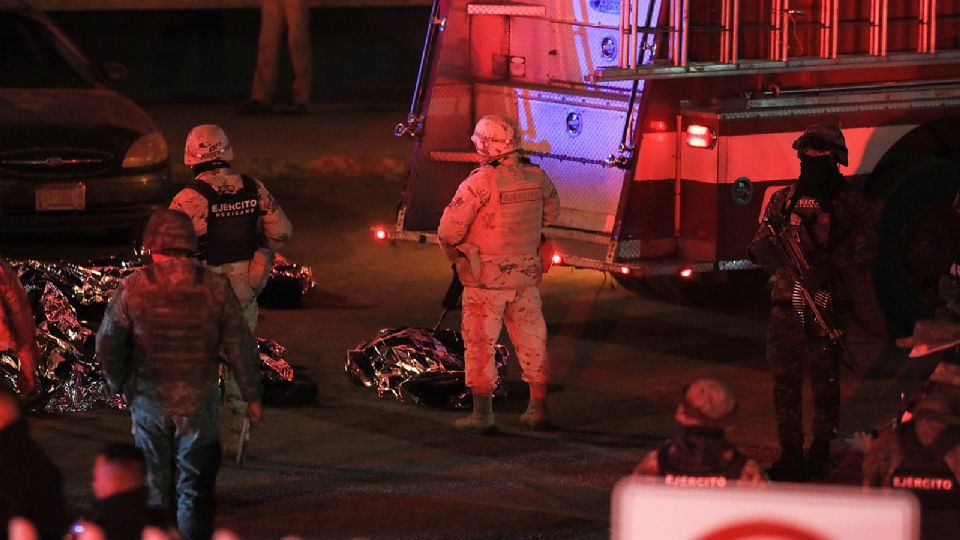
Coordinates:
x,y
818,458
535,416
791,466
481,420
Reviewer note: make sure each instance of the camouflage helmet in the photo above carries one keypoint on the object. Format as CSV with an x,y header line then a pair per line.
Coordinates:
x,y
825,138
206,142
706,402
495,136
169,232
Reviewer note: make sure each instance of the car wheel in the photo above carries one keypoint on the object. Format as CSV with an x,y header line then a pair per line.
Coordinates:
x,y
918,240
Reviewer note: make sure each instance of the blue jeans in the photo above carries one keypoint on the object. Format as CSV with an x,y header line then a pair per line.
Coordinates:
x,y
183,457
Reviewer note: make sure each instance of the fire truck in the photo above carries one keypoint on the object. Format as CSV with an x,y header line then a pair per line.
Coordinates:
x,y
666,125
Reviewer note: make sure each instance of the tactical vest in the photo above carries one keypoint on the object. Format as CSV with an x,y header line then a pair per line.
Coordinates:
x,y
232,220
924,470
512,220
168,333
718,476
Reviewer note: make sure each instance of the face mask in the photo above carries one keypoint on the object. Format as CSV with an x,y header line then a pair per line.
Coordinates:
x,y
819,176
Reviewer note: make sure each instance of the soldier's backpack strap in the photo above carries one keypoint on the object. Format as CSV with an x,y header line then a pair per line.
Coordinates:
x,y
947,440
203,188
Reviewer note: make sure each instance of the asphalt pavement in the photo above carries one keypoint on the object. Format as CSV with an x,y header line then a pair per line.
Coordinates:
x,y
356,466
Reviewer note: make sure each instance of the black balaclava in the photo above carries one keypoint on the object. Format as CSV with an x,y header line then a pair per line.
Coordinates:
x,y
820,178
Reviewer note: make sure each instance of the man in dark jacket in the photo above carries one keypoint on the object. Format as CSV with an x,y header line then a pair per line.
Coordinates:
x,y
159,345
923,456
31,486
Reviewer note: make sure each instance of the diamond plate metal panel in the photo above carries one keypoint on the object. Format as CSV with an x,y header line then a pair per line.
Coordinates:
x,y
562,123
589,193
569,134
585,11
513,9
562,53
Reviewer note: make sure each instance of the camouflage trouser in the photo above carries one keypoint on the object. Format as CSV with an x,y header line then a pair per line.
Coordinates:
x,y
485,311
789,343
238,274
274,16
183,456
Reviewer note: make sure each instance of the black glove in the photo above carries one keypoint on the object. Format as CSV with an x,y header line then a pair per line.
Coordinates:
x,y
451,300
763,253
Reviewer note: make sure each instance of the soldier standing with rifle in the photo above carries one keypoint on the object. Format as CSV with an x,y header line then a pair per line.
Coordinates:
x,y
811,236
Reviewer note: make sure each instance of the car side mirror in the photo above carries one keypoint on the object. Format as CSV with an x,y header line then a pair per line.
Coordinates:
x,y
114,71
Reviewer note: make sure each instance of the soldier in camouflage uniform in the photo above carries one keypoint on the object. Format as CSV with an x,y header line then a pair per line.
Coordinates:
x,y
701,455
159,344
239,227
17,328
923,455
492,230
831,219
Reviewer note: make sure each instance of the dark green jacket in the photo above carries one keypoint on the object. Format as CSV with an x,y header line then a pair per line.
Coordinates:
x,y
162,335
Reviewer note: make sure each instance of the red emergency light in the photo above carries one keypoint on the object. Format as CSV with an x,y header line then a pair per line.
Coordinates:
x,y
557,258
686,272
625,270
701,136
379,233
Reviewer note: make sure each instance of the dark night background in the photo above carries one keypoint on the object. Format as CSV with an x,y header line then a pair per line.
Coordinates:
x,y
359,54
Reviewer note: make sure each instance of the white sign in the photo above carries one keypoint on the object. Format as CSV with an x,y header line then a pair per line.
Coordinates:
x,y
646,508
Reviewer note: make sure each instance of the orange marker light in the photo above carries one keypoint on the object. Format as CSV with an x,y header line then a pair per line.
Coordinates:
x,y
701,136
686,273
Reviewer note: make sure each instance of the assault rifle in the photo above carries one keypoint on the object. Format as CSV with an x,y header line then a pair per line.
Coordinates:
x,y
792,253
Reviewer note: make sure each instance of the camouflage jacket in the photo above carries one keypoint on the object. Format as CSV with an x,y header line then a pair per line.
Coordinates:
x,y
500,211
850,247
275,227
17,325
163,332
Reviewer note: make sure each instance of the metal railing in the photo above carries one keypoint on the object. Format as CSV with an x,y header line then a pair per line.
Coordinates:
x,y
778,25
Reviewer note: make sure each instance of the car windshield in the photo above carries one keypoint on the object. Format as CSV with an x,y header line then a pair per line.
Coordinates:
x,y
31,56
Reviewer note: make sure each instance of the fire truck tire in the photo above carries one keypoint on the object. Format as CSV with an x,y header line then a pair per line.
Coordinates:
x,y
714,289
918,239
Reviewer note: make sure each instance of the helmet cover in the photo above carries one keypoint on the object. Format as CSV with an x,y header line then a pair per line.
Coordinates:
x,y
206,142
169,231
825,138
706,402
495,136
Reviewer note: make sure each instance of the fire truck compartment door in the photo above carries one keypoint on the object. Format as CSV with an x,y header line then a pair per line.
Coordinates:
x,y
569,134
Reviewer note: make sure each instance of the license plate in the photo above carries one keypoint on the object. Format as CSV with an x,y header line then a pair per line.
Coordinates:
x,y
54,197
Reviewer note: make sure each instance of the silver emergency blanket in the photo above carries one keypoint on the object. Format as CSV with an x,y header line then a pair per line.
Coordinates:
x,y
419,366
68,302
